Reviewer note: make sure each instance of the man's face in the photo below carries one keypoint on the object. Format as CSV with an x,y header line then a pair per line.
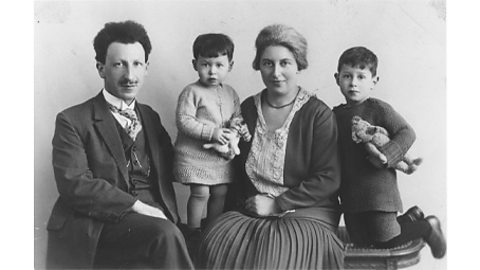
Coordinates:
x,y
124,70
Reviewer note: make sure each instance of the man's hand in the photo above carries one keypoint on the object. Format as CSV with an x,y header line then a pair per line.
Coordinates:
x,y
221,135
262,205
145,209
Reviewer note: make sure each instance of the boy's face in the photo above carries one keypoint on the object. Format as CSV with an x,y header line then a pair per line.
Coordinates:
x,y
355,83
212,70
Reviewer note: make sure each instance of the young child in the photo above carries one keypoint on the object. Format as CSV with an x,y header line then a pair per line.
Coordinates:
x,y
369,193
204,110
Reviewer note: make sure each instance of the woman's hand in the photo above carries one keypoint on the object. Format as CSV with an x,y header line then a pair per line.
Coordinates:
x,y
262,205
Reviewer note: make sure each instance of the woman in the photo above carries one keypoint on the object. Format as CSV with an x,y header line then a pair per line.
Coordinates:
x,y
289,173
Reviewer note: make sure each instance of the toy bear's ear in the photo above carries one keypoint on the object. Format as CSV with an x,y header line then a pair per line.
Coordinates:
x,y
355,137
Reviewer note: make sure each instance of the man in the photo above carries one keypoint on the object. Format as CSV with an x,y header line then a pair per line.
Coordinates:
x,y
112,160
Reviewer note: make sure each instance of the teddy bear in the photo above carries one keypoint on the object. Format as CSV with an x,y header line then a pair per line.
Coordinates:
x,y
238,130
374,137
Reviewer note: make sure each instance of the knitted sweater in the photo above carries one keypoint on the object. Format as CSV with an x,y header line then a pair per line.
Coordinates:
x,y
199,111
364,186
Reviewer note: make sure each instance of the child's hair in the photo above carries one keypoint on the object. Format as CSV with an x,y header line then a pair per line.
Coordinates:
x,y
213,45
282,35
126,32
359,57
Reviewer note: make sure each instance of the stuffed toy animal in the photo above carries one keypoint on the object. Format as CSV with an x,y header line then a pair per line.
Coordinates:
x,y
374,137
238,130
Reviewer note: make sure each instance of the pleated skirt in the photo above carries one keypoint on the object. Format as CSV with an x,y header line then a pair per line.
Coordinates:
x,y
238,241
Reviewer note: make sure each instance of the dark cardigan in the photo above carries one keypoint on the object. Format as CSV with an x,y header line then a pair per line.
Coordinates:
x,y
364,186
312,168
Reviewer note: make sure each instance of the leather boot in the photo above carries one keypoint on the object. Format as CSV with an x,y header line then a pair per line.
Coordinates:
x,y
436,239
412,214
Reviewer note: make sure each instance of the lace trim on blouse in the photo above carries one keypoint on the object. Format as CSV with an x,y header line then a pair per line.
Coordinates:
x,y
266,160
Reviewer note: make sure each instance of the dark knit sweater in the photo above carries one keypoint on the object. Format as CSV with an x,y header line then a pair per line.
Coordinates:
x,y
312,166
365,187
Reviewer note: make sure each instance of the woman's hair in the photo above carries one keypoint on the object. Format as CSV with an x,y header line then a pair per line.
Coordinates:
x,y
359,57
213,45
127,32
282,35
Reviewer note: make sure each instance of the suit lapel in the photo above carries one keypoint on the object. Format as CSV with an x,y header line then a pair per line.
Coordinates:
x,y
148,126
105,124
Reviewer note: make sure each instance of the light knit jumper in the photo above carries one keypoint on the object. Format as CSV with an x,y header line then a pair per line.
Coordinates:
x,y
199,111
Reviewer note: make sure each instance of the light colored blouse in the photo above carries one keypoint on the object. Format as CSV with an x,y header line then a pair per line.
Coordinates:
x,y
266,160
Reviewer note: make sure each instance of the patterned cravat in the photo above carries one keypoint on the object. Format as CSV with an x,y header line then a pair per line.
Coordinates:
x,y
135,126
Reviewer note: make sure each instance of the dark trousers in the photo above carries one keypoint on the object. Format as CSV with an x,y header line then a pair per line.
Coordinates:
x,y
140,241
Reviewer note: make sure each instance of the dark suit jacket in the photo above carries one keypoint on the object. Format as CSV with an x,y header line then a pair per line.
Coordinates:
x,y
91,174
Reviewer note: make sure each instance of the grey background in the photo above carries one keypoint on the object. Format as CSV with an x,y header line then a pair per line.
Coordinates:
x,y
407,36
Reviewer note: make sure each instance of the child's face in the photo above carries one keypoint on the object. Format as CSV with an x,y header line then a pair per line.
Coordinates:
x,y
212,70
355,83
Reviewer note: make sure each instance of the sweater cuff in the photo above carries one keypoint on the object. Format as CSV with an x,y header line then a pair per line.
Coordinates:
x,y
393,152
207,133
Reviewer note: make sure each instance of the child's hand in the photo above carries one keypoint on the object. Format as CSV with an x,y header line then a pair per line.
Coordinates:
x,y
379,161
221,135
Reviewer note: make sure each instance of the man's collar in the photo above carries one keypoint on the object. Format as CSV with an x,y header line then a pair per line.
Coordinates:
x,y
117,102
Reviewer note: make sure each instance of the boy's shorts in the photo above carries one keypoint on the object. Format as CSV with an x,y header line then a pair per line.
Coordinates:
x,y
371,227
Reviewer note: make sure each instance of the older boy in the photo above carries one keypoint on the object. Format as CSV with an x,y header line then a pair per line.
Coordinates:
x,y
369,190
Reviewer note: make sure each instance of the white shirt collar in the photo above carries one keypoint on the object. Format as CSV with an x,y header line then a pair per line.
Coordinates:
x,y
117,102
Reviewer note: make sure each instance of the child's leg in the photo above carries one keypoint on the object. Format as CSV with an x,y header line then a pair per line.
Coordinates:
x,y
388,233
196,204
216,202
357,229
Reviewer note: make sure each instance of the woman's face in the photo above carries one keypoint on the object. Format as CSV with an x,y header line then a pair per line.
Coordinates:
x,y
279,70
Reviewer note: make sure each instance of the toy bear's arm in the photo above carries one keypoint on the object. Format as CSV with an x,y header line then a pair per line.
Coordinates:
x,y
376,155
186,119
402,135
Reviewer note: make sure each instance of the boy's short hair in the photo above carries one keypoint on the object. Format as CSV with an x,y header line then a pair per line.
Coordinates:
x,y
213,45
282,35
359,57
126,32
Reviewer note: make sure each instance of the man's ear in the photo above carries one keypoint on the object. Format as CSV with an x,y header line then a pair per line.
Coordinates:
x,y
146,67
230,65
101,69
194,64
336,77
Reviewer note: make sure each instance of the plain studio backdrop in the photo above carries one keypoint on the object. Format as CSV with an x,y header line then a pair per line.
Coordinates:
x,y
407,36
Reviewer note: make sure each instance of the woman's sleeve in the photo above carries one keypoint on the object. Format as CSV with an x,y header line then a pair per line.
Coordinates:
x,y
186,119
323,180
401,133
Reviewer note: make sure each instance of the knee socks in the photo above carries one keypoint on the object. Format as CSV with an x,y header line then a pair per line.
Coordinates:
x,y
409,231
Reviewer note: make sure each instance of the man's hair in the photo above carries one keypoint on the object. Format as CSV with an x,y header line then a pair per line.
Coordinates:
x,y
359,57
213,45
126,32
282,35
